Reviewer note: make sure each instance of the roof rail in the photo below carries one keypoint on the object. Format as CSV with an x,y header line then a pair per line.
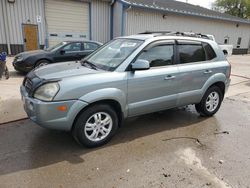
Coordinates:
x,y
156,32
176,33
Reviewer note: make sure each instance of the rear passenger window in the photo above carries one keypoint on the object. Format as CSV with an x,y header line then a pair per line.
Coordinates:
x,y
209,51
90,46
191,53
158,56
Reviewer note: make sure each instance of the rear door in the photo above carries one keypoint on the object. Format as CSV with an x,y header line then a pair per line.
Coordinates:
x,y
157,88
195,66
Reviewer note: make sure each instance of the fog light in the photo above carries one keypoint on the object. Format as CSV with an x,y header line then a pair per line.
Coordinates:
x,y
62,108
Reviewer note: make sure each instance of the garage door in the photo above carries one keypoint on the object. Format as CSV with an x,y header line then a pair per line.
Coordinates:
x,y
66,20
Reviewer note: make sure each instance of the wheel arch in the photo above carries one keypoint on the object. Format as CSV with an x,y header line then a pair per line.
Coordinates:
x,y
37,61
220,85
111,102
218,79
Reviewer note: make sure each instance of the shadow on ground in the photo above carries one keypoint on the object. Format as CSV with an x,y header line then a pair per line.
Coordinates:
x,y
15,74
25,145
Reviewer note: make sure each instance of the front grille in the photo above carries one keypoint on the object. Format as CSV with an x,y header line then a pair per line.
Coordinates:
x,y
28,85
31,82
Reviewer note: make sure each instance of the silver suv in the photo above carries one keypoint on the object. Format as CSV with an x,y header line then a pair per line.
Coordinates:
x,y
128,76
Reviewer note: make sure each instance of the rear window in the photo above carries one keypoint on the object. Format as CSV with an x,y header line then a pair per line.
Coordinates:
x,y
209,51
191,53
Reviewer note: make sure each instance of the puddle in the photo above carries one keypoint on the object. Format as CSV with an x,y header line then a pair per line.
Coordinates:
x,y
188,156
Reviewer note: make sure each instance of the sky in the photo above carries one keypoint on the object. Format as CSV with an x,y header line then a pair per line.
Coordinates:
x,y
203,3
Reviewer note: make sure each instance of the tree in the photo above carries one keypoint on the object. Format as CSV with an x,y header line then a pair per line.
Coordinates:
x,y
239,8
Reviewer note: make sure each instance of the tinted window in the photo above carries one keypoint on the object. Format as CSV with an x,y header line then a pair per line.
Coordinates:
x,y
191,53
73,47
90,46
159,55
209,51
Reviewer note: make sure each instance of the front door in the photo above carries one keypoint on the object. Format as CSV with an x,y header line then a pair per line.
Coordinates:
x,y
70,52
154,89
30,37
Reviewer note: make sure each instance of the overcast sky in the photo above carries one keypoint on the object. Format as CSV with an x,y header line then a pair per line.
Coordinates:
x,y
203,3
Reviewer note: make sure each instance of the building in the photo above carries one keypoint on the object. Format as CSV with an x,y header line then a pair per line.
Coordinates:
x,y
32,24
135,16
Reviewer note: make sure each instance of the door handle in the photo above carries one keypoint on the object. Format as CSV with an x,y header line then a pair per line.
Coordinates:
x,y
208,72
169,77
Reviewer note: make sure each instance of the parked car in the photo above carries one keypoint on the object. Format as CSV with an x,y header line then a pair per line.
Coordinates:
x,y
129,76
226,48
64,51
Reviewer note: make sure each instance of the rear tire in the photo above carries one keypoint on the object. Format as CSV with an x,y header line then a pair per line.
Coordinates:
x,y
95,126
211,102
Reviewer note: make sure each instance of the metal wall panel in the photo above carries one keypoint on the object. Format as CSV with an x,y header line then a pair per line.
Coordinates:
x,y
117,17
2,27
100,20
139,20
18,13
66,20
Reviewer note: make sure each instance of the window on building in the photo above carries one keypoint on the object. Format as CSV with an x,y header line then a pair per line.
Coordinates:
x,y
90,46
191,53
157,56
239,42
209,51
226,40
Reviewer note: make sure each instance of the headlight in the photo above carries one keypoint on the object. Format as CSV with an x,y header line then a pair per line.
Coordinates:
x,y
47,92
19,58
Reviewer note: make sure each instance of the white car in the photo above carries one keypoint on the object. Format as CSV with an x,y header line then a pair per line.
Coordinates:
x,y
226,48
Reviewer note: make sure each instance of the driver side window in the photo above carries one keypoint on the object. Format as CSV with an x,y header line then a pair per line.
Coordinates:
x,y
158,56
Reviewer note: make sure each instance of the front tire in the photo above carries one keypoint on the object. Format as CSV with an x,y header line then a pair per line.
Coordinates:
x,y
210,102
41,63
95,126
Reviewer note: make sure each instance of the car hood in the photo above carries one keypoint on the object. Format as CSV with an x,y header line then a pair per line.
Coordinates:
x,y
31,53
63,70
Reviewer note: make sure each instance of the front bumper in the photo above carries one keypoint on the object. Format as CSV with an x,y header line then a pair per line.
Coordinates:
x,y
46,114
21,66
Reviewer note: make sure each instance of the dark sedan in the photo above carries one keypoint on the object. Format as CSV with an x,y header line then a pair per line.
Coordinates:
x,y
64,51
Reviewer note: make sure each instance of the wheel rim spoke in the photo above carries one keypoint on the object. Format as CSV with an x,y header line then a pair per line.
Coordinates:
x,y
106,121
94,134
90,127
102,132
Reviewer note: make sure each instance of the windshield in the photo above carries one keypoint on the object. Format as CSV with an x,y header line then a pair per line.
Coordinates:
x,y
56,47
114,53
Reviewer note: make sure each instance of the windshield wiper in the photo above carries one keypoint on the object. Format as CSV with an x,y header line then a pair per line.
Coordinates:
x,y
92,65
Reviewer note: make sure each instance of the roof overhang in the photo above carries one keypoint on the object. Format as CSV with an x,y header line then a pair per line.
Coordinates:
x,y
180,12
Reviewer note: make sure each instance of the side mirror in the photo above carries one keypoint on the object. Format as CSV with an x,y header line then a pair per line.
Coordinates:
x,y
140,64
225,53
62,52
